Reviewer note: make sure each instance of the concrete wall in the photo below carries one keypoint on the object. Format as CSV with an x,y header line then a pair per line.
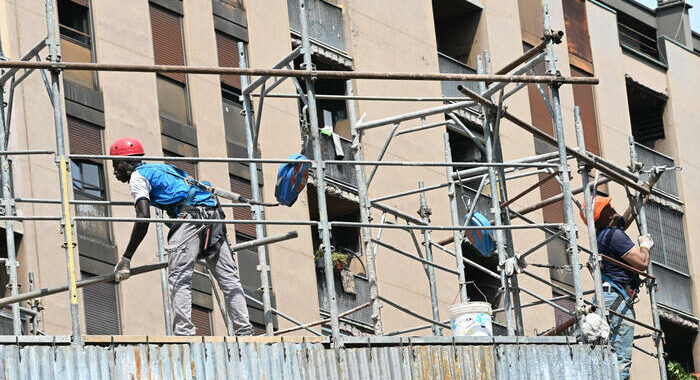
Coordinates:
x,y
378,39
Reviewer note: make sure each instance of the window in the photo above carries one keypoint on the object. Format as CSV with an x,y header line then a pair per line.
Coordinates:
x,y
242,186
577,30
227,50
456,24
646,109
637,36
343,239
234,124
76,39
583,97
101,308
168,49
201,318
88,178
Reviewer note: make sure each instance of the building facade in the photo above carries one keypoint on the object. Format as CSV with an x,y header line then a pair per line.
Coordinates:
x,y
646,60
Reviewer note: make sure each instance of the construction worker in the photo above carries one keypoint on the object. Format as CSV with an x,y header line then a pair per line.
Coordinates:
x,y
172,190
620,285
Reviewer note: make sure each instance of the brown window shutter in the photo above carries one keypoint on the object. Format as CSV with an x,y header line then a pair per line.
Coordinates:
x,y
84,3
101,308
227,48
167,40
83,137
577,29
201,320
242,186
583,97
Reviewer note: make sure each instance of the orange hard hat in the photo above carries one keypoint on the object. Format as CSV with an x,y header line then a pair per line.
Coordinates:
x,y
600,203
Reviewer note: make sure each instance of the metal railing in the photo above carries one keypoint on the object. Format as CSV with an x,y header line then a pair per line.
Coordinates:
x,y
650,158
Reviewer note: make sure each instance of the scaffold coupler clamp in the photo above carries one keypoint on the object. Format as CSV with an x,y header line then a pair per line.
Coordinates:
x,y
553,35
425,212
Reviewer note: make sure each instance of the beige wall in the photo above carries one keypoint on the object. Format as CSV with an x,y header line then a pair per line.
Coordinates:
x,y
378,39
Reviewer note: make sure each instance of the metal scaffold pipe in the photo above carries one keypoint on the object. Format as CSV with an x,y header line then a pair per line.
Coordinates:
x,y
306,74
134,271
425,213
319,172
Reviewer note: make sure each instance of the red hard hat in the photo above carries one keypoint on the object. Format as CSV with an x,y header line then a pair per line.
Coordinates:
x,y
126,146
600,203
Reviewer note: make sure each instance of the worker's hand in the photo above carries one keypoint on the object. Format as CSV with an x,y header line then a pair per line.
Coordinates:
x,y
122,271
645,241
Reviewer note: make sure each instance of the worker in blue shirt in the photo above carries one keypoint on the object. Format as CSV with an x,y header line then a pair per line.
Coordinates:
x,y
620,285
171,190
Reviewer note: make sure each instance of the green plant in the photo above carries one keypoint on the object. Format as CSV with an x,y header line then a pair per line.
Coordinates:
x,y
340,260
678,372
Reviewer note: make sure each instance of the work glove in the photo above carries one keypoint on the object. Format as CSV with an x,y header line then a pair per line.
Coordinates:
x,y
645,241
122,271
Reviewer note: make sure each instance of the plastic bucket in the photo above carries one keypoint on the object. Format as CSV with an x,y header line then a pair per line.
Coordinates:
x,y
471,319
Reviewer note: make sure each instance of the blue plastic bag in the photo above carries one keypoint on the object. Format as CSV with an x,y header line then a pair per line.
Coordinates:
x,y
291,180
481,239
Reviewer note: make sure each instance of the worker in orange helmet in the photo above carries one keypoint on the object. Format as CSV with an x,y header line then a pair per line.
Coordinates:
x,y
620,285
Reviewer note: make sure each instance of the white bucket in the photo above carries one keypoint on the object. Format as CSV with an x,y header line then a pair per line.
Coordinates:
x,y
471,319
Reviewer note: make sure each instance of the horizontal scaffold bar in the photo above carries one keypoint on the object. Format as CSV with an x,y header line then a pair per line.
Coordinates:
x,y
320,74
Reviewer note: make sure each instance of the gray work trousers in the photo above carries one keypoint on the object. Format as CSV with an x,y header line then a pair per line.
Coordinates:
x,y
222,265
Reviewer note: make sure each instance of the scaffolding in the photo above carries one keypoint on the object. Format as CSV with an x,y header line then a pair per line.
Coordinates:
x,y
494,172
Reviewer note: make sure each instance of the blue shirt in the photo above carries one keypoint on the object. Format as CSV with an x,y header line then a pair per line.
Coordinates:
x,y
614,242
165,187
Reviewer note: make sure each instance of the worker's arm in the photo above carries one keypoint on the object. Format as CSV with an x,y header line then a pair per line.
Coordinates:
x,y
138,233
638,258
629,214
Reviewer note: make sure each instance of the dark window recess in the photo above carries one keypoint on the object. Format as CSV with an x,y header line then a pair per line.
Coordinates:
x,y
464,150
637,35
234,123
456,24
101,308
583,97
577,29
201,318
190,167
646,108
678,345
76,39
227,49
343,239
242,186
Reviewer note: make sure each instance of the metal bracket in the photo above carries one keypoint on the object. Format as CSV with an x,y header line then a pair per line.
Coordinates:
x,y
553,35
425,212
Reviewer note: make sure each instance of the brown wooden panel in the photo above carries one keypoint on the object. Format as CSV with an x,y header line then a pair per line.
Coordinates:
x,y
583,97
168,45
83,137
201,320
577,29
242,186
227,48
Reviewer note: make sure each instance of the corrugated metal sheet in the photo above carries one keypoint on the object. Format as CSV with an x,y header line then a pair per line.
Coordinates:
x,y
304,361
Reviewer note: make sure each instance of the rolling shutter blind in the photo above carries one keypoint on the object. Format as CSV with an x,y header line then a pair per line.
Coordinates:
x,y
167,40
242,186
583,97
577,38
83,137
201,320
189,167
84,3
101,308
227,48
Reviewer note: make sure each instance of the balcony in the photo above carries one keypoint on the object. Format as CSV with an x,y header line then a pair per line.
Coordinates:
x,y
343,174
325,22
649,158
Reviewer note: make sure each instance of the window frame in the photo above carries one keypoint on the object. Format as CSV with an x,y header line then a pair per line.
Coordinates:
x,y
91,35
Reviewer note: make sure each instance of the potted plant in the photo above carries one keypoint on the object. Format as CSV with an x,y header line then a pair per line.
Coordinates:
x,y
340,260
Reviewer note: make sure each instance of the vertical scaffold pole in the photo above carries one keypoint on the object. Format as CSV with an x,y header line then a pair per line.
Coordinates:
x,y
8,203
588,201
425,212
457,235
505,214
167,306
55,56
255,190
551,59
495,208
643,230
363,200
319,168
